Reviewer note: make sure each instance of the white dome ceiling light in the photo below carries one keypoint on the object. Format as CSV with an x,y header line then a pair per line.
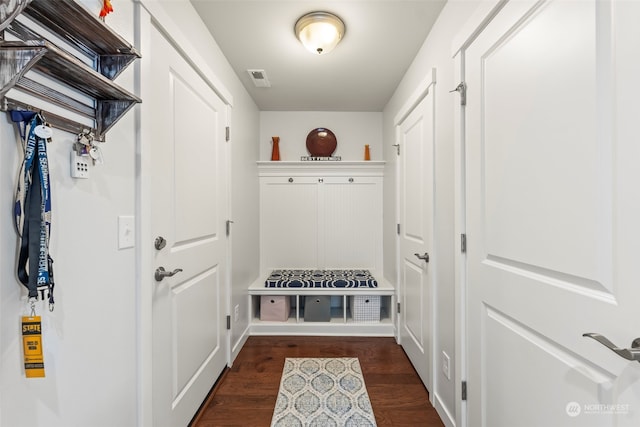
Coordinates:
x,y
319,32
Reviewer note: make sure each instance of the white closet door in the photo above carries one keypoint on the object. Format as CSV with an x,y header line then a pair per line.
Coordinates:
x,y
189,209
416,169
552,215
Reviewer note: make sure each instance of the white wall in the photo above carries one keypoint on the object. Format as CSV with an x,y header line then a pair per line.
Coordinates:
x,y
90,338
435,53
352,130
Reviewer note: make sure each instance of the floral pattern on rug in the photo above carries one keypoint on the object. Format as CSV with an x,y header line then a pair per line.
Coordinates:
x,y
322,392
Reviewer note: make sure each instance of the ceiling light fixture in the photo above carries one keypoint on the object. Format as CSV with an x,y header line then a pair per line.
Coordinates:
x,y
319,32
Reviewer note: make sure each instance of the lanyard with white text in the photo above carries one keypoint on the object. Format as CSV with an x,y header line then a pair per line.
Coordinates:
x,y
32,208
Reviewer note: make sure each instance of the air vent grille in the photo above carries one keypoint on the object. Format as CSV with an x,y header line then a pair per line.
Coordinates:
x,y
259,78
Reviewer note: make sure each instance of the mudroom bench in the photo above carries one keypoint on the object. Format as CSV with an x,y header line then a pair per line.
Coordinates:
x,y
326,218
321,302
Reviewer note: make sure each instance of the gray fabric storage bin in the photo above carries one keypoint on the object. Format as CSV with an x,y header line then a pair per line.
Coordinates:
x,y
317,308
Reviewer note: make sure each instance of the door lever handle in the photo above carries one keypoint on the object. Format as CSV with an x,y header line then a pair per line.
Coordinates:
x,y
161,273
424,257
632,353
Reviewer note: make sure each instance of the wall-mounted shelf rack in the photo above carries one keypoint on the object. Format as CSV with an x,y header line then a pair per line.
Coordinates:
x,y
107,51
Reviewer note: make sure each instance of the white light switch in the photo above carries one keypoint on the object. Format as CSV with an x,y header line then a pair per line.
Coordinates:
x,y
126,232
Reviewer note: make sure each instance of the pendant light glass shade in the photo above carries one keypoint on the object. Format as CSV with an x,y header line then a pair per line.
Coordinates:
x,y
319,32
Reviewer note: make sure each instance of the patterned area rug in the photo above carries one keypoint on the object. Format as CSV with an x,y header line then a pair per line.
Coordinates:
x,y
322,392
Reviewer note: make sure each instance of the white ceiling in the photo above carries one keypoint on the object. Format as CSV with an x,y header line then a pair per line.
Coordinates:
x,y
381,39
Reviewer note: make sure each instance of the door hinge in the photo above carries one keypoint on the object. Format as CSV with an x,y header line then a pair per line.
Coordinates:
x,y
229,222
462,89
398,308
463,243
464,390
227,133
397,148
398,229
228,322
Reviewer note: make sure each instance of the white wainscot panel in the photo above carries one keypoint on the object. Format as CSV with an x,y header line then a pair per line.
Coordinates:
x,y
288,223
352,217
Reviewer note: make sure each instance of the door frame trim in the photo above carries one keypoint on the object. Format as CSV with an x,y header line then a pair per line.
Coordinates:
x,y
149,14
460,258
414,99
486,11
480,19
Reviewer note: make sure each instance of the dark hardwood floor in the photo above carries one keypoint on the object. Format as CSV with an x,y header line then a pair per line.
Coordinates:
x,y
246,393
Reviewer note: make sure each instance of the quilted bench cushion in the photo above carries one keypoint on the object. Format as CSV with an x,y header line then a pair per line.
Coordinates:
x,y
321,279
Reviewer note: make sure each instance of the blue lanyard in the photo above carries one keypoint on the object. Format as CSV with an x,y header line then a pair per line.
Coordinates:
x,y
32,212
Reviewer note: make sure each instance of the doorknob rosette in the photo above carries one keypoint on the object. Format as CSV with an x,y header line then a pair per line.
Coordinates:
x,y
160,243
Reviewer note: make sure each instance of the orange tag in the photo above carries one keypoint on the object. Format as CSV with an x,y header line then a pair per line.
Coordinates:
x,y
32,344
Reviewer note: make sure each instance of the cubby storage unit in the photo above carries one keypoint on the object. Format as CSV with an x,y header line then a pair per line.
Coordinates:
x,y
341,321
322,215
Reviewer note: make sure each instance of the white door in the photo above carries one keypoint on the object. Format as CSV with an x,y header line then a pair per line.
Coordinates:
x,y
416,171
189,212
553,208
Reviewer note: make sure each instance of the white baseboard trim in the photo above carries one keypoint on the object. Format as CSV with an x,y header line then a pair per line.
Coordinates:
x,y
237,346
445,416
